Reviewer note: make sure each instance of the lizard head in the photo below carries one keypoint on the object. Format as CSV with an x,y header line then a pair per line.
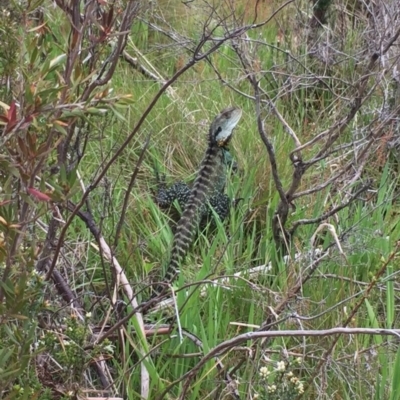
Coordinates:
x,y
223,125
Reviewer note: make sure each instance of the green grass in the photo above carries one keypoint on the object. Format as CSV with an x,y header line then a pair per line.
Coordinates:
x,y
360,366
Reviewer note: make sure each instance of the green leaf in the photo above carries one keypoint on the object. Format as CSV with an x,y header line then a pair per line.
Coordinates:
x,y
33,5
34,54
59,128
389,298
76,112
118,114
395,390
45,67
49,95
55,62
382,354
96,111
71,177
5,354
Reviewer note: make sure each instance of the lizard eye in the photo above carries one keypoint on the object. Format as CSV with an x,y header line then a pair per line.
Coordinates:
x,y
216,133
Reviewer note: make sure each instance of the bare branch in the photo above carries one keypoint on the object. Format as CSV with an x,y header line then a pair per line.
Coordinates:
x,y
253,336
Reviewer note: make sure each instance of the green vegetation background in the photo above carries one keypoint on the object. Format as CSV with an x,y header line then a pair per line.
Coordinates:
x,y
360,366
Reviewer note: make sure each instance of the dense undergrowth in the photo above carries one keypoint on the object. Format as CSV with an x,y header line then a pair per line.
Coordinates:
x,y
314,237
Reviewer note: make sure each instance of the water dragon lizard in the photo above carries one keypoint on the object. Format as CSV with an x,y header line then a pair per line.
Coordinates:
x,y
210,182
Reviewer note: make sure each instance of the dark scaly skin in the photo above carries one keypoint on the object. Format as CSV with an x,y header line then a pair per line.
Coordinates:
x,y
166,196
180,191
211,179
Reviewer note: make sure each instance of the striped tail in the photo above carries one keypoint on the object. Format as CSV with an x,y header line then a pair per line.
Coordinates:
x,y
190,219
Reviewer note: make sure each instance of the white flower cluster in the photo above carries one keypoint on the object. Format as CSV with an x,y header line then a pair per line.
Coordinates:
x,y
298,384
271,388
264,372
280,366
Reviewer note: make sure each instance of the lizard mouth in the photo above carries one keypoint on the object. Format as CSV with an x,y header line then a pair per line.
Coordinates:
x,y
224,142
